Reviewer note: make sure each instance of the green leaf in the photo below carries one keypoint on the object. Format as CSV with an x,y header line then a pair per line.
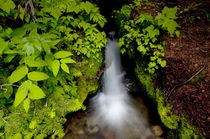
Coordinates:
x,y
26,104
18,74
21,13
36,92
37,76
163,63
67,60
9,92
142,49
9,58
33,124
62,54
52,114
1,113
33,61
177,33
7,5
55,66
22,92
29,49
3,45
65,67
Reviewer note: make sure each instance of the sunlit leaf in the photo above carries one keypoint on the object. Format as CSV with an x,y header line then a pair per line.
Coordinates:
x,y
18,74
22,92
36,92
67,60
62,54
65,67
37,76
55,66
26,104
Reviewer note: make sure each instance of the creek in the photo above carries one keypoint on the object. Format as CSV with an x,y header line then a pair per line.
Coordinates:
x,y
113,113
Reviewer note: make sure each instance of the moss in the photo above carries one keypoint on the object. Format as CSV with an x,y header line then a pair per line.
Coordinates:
x,y
87,83
187,131
169,119
146,81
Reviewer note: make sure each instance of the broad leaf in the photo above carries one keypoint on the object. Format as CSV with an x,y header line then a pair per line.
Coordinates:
x,y
9,92
3,45
37,76
7,5
18,74
55,66
22,92
32,61
36,92
65,67
26,104
62,54
67,60
9,58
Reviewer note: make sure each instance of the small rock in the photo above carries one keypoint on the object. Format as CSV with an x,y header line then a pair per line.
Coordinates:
x,y
157,130
93,129
196,65
149,134
80,132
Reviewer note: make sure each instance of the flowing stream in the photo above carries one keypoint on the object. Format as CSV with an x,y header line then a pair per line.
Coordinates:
x,y
113,109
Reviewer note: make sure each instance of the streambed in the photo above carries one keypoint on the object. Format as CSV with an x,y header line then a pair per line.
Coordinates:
x,y
113,113
79,126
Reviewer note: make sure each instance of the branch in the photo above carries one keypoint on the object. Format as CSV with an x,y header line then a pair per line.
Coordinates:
x,y
31,6
1,87
178,85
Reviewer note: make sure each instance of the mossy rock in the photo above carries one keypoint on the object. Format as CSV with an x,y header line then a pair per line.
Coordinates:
x,y
169,119
88,83
146,81
187,131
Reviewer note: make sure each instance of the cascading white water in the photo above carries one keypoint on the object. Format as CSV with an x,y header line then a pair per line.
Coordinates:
x,y
113,109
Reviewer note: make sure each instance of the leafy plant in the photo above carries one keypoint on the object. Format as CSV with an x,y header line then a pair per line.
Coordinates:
x,y
42,58
143,34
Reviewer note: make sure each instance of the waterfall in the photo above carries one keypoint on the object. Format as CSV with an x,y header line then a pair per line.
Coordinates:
x,y
113,108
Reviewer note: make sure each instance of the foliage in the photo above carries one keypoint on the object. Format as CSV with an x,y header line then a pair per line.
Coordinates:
x,y
40,63
143,33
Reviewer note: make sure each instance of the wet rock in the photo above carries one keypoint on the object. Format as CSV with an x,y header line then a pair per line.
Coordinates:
x,y
93,129
108,135
80,132
157,130
149,134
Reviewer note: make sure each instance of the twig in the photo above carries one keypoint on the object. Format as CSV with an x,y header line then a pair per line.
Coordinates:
x,y
31,6
178,85
4,120
25,90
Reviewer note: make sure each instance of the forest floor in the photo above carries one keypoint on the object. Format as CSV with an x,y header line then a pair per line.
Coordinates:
x,y
186,77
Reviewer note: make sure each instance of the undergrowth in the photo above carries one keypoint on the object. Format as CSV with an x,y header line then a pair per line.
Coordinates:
x,y
142,33
44,47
